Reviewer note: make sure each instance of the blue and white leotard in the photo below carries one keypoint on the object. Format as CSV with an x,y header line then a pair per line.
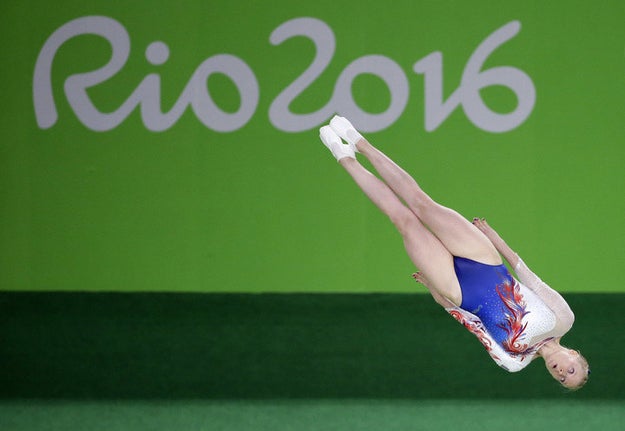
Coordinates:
x,y
509,318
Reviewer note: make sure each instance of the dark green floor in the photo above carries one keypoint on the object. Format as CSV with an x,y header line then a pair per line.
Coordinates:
x,y
314,415
177,346
86,361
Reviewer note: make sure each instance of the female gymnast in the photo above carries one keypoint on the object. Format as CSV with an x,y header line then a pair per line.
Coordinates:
x,y
461,265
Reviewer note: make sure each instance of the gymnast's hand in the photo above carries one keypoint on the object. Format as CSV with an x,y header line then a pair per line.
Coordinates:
x,y
482,224
484,227
502,247
420,278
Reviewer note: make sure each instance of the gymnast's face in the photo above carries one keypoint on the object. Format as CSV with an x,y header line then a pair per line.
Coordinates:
x,y
568,367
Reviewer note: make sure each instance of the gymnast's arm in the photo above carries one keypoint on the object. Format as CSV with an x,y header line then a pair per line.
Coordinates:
x,y
550,297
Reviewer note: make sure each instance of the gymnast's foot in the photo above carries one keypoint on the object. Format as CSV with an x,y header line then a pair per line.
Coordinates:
x,y
345,130
331,140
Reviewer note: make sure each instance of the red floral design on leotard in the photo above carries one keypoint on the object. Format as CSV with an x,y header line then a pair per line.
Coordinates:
x,y
477,329
510,294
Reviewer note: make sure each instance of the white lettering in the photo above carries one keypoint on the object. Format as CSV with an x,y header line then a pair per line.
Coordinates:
x,y
322,36
342,100
196,94
473,80
111,30
148,94
394,78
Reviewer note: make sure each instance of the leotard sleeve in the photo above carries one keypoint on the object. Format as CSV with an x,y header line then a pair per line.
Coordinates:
x,y
564,314
505,360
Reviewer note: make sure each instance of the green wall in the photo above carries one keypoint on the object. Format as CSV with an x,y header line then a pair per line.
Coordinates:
x,y
240,197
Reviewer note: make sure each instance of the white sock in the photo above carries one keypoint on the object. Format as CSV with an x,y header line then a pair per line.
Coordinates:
x,y
331,140
346,130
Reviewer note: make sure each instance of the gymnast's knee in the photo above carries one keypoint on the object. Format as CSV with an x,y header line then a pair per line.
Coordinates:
x,y
420,203
405,222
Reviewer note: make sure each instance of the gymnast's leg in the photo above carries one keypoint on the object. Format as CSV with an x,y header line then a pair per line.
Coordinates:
x,y
457,234
424,249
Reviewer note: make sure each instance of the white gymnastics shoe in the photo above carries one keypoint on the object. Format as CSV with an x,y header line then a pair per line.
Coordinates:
x,y
345,130
335,145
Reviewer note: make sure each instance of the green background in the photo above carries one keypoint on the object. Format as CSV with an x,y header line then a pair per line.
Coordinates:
x,y
160,241
262,210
